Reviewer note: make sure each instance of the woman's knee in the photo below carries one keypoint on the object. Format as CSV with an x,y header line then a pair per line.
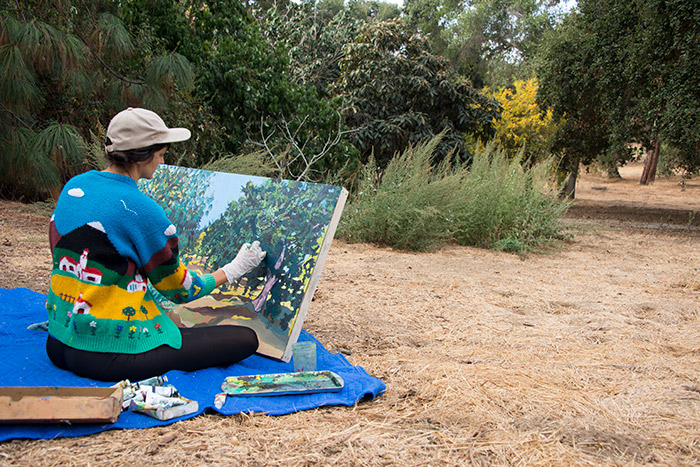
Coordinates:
x,y
250,337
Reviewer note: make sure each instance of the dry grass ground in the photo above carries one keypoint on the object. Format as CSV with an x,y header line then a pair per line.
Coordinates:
x,y
586,355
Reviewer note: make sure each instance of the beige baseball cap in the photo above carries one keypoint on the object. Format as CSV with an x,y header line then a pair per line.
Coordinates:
x,y
136,128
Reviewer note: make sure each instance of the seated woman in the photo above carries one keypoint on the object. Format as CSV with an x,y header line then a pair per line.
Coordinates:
x,y
109,240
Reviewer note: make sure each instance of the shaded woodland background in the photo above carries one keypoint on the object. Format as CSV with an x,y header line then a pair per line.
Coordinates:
x,y
315,90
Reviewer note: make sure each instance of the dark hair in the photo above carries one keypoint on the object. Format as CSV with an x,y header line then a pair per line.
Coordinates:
x,y
124,159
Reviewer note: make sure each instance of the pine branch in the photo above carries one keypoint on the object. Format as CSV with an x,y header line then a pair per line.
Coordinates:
x,y
25,124
89,11
109,68
21,11
99,59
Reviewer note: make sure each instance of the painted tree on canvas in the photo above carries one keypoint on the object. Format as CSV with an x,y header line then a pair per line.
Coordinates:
x,y
182,194
290,221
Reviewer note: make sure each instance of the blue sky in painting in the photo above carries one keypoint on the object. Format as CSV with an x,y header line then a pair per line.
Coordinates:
x,y
224,188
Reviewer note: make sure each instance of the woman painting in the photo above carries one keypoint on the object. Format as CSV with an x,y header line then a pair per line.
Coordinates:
x,y
109,240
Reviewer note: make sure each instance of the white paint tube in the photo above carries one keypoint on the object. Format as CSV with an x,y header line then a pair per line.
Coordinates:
x,y
155,400
167,391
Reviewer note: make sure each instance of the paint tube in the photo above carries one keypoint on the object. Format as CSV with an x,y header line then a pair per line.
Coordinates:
x,y
152,401
127,390
167,391
220,400
137,406
155,398
154,381
124,384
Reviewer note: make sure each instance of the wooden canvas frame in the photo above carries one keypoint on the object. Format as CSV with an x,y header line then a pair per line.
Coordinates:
x,y
216,212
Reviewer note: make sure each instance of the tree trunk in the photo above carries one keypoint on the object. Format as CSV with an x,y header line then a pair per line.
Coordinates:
x,y
614,172
270,280
649,172
569,189
568,178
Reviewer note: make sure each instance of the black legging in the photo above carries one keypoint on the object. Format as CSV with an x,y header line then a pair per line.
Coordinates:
x,y
201,348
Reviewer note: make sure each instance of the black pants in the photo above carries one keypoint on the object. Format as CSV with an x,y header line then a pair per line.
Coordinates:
x,y
201,348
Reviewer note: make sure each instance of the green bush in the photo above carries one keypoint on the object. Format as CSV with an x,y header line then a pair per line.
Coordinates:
x,y
496,203
506,205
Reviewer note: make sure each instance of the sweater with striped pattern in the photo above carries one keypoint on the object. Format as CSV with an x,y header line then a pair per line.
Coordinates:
x,y
110,244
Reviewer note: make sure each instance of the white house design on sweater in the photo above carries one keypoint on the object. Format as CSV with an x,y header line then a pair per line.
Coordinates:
x,y
187,281
81,307
137,285
80,268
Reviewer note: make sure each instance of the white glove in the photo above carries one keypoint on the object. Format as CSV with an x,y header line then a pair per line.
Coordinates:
x,y
247,259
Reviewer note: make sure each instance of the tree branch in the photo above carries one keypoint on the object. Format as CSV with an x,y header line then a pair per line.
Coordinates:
x,y
97,56
295,149
25,124
104,64
265,139
21,11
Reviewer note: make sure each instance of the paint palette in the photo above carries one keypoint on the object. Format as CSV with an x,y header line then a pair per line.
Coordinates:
x,y
303,382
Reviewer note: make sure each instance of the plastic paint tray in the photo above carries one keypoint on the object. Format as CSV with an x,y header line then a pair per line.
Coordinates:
x,y
303,382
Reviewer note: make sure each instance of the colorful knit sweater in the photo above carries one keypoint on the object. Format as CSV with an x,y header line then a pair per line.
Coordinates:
x,y
108,241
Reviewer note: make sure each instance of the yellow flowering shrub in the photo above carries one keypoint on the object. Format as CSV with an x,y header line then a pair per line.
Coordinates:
x,y
523,125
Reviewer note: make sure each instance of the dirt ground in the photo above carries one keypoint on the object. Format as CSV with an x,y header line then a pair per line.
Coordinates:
x,y
586,355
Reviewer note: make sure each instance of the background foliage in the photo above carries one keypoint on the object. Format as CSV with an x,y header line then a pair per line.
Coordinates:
x,y
67,68
246,79
398,93
329,90
524,127
492,42
624,72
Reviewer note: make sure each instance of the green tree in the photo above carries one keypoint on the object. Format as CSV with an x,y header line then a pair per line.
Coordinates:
x,y
314,38
573,97
432,18
129,312
492,42
289,219
624,72
243,71
371,10
398,94
664,61
236,72
308,144
66,68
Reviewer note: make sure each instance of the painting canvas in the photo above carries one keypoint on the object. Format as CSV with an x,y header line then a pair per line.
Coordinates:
x,y
216,212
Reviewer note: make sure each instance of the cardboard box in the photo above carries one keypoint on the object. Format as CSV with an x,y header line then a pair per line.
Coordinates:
x,y
49,404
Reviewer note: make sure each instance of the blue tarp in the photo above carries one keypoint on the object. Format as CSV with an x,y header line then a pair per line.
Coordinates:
x,y
23,362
